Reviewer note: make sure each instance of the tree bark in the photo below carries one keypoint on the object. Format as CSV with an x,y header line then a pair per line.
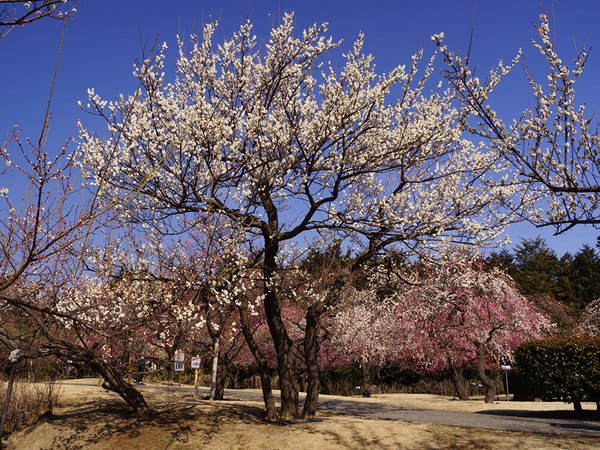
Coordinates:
x,y
311,359
220,383
281,340
263,366
170,361
215,368
366,380
127,392
577,406
458,381
490,385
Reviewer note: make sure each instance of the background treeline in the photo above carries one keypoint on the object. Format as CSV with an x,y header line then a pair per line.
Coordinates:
x,y
562,286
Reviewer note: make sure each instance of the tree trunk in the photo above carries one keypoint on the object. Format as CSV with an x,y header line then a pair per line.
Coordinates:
x,y
302,378
127,392
281,340
458,381
112,376
577,406
311,359
236,378
220,383
490,385
263,366
215,367
170,361
11,379
366,380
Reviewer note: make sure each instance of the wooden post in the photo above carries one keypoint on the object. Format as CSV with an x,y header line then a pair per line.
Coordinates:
x,y
196,381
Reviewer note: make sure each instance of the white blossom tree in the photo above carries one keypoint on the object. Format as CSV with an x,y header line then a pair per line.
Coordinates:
x,y
589,322
272,137
553,145
367,331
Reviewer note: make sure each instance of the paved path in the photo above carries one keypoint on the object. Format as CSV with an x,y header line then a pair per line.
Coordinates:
x,y
464,419
583,428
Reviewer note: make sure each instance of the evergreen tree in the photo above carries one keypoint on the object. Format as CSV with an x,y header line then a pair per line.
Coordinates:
x,y
583,278
503,260
538,269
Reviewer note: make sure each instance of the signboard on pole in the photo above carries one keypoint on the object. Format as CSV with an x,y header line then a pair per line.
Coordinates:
x,y
179,359
505,368
196,363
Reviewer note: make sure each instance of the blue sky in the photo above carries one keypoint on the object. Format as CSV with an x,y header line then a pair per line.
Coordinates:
x,y
105,36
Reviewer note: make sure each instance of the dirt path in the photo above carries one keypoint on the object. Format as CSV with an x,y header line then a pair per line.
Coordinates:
x,y
91,417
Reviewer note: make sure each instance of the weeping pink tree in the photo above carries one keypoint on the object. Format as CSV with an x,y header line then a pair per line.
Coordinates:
x,y
458,313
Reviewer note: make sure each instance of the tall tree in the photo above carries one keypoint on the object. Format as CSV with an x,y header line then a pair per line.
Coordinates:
x,y
583,277
282,147
537,268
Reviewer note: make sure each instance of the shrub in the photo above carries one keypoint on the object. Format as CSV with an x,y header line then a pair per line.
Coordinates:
x,y
28,402
566,369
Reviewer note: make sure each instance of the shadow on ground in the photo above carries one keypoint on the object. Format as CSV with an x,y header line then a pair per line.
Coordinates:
x,y
99,421
557,414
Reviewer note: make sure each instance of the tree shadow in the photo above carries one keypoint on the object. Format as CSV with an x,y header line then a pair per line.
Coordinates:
x,y
97,421
551,414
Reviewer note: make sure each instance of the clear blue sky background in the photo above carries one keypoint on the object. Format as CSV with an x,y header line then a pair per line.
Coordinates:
x,y
105,36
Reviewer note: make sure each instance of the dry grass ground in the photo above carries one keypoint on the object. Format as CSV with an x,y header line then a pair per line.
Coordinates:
x,y
93,418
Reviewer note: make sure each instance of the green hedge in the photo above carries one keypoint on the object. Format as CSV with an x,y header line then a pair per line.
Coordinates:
x,y
566,369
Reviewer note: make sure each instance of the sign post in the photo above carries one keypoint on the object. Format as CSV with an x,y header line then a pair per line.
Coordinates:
x,y
505,368
179,365
196,363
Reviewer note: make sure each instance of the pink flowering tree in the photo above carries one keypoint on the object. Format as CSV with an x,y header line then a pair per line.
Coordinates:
x,y
457,313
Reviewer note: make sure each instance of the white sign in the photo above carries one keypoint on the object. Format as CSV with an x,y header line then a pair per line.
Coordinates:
x,y
196,363
505,367
179,356
179,367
